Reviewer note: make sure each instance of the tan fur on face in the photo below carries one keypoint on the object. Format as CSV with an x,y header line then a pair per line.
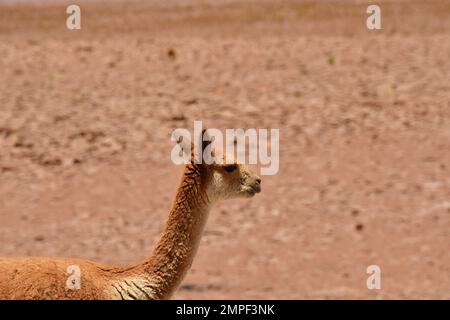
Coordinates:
x,y
227,185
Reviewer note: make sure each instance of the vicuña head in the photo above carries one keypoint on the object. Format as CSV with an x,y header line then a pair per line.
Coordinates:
x,y
158,276
231,181
223,177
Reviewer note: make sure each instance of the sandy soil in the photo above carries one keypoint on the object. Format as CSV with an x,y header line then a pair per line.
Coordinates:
x,y
364,120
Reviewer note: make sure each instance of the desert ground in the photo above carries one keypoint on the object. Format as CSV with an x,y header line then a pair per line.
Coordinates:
x,y
364,118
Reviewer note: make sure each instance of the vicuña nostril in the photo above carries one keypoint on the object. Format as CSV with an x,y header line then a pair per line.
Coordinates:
x,y
258,181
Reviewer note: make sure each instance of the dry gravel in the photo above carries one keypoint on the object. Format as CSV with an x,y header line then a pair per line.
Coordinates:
x,y
364,119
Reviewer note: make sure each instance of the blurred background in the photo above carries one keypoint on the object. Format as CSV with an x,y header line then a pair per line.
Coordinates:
x,y
364,119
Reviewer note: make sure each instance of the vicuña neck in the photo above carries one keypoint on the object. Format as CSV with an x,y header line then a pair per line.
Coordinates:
x,y
179,241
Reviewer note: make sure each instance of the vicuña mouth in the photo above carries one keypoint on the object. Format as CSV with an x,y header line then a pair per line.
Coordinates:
x,y
252,190
257,188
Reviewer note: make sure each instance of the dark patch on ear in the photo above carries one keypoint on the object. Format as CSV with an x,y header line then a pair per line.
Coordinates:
x,y
207,143
203,143
204,136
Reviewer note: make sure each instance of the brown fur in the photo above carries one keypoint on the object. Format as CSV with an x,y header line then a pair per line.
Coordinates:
x,y
155,278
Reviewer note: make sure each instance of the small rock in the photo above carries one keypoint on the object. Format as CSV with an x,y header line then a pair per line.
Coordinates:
x,y
171,53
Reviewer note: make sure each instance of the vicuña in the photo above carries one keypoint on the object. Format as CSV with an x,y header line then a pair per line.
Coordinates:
x,y
157,277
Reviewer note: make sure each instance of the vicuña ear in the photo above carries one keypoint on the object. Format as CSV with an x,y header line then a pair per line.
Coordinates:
x,y
196,149
206,141
207,151
182,151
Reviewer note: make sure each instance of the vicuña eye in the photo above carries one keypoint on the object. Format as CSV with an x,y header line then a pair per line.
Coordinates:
x,y
230,168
